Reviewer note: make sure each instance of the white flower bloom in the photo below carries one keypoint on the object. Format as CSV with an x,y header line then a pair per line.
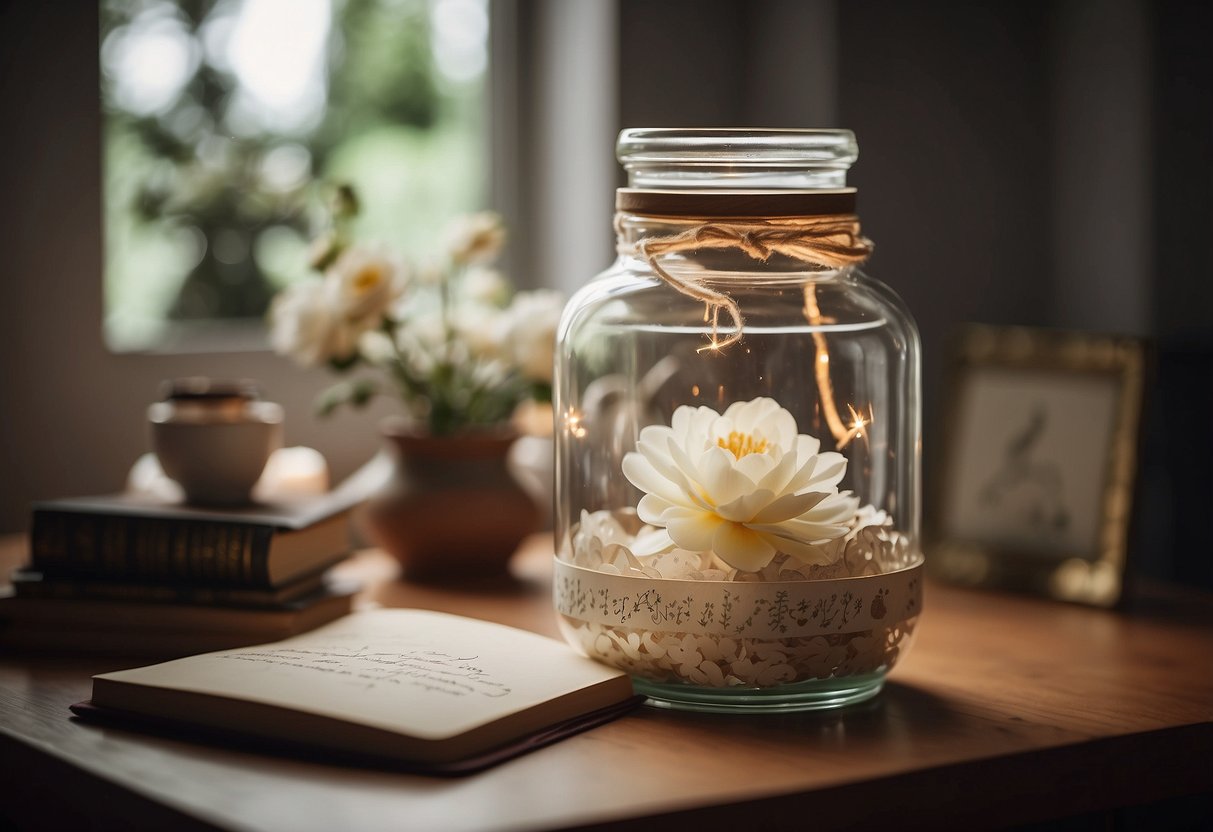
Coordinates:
x,y
743,485
376,347
482,328
304,326
475,239
422,338
531,336
486,287
488,374
431,274
363,284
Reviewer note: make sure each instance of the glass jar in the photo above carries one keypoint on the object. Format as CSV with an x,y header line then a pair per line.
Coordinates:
x,y
738,439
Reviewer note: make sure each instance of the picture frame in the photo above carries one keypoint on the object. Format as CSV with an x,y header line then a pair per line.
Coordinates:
x,y
1036,470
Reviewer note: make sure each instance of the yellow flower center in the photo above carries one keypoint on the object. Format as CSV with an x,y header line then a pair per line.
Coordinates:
x,y
368,278
742,444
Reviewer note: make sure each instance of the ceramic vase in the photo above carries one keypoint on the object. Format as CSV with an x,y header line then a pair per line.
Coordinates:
x,y
453,510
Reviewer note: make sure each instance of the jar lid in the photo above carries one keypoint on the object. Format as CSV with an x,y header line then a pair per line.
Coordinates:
x,y
716,203
716,158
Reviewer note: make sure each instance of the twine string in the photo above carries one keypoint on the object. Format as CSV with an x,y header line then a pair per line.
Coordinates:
x,y
831,242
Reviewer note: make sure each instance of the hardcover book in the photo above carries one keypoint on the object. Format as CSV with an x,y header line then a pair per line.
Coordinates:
x,y
435,692
28,583
161,630
127,537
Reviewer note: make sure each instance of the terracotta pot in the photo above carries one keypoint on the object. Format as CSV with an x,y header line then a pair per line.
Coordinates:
x,y
453,510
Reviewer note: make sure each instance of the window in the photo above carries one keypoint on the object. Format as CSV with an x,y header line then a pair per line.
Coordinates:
x,y
221,116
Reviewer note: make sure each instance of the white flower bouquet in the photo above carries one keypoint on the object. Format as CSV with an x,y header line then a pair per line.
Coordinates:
x,y
452,339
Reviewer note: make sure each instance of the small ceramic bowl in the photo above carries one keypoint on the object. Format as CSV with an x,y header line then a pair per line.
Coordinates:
x,y
214,438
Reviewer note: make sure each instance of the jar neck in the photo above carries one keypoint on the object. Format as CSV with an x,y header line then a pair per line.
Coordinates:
x,y
728,269
747,242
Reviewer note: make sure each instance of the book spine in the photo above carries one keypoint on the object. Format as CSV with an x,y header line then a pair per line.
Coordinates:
x,y
152,593
168,550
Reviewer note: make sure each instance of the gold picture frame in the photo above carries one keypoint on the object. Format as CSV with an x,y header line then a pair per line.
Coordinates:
x,y
1035,484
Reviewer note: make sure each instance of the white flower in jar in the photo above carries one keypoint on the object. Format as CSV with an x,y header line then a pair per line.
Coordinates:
x,y
744,485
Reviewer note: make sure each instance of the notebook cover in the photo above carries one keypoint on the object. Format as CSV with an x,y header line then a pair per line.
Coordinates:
x,y
175,729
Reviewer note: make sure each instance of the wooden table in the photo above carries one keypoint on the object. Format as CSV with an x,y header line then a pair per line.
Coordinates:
x,y
1007,710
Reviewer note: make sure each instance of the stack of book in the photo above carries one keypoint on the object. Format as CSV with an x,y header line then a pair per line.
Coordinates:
x,y
139,576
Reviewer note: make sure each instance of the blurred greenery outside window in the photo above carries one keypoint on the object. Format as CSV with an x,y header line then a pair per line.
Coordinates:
x,y
222,117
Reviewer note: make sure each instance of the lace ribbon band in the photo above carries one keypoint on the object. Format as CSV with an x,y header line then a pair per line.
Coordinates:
x,y
787,609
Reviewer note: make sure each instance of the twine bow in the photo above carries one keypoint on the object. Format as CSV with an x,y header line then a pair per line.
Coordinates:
x,y
830,241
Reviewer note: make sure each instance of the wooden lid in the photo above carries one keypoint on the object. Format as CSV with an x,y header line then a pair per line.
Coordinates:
x,y
203,389
772,203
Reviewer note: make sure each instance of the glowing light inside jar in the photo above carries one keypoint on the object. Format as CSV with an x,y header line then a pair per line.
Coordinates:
x,y
573,424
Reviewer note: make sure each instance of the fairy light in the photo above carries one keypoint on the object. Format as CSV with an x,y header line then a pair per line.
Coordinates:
x,y
859,426
822,366
572,423
843,433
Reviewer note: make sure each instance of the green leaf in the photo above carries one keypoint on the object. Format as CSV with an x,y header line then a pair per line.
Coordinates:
x,y
345,201
356,393
343,364
541,392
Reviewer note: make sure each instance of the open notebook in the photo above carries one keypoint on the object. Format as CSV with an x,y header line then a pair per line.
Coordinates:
x,y
429,691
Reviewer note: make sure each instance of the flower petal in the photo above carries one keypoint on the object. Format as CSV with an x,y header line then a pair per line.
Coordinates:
x,y
839,508
776,480
691,424
803,531
764,419
656,435
743,509
748,415
659,457
807,446
756,466
721,479
803,552
819,473
652,542
789,506
691,529
684,463
831,467
651,507
641,473
740,547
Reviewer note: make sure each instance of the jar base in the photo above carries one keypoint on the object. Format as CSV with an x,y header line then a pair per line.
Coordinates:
x,y
813,695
